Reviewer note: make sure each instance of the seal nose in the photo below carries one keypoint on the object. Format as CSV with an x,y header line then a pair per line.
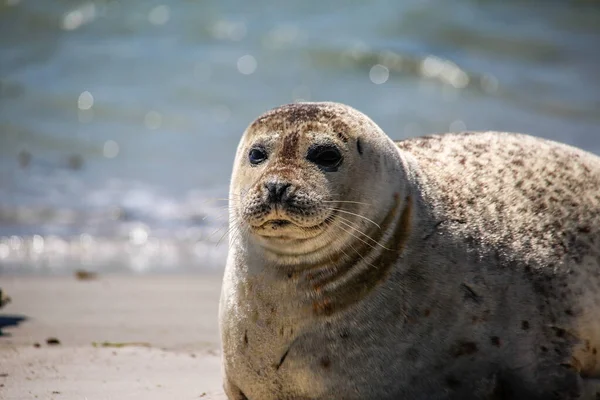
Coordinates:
x,y
277,191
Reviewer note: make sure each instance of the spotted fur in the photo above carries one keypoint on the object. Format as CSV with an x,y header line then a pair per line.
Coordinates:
x,y
456,266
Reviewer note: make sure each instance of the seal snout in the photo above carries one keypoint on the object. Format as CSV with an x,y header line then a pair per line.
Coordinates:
x,y
282,207
277,192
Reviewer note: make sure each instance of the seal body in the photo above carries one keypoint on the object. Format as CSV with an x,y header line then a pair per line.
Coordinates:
x,y
457,266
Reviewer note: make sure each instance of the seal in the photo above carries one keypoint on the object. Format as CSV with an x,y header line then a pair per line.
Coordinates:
x,y
454,266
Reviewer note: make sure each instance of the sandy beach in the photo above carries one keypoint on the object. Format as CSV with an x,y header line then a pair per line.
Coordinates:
x,y
114,337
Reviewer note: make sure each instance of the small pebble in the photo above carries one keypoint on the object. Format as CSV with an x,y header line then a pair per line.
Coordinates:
x,y
83,275
52,341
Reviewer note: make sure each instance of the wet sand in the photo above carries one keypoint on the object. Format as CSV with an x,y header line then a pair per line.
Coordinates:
x,y
118,337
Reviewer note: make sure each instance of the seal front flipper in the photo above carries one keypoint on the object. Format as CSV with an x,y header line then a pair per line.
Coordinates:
x,y
232,391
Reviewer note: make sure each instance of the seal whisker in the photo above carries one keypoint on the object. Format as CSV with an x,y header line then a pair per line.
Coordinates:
x,y
230,228
211,199
237,234
357,215
358,253
345,201
224,234
217,230
362,240
226,225
347,223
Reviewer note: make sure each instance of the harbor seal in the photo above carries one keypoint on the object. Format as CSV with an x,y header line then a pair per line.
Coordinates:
x,y
454,266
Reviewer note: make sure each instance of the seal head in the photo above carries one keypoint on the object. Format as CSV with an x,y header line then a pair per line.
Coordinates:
x,y
295,170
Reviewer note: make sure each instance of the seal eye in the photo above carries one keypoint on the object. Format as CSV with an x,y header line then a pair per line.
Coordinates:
x,y
257,155
328,158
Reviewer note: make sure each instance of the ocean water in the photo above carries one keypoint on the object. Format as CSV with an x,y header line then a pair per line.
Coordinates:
x,y
119,119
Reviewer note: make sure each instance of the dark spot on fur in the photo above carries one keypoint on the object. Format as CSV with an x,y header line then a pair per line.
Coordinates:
x,y
463,348
568,311
359,146
338,126
544,348
342,137
525,325
434,230
569,366
323,307
584,229
293,115
282,359
300,112
452,382
344,335
594,351
290,145
246,338
412,354
325,362
495,341
470,294
427,312
559,332
502,390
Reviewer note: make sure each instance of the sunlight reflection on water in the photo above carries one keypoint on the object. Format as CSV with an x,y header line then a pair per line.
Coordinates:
x,y
119,120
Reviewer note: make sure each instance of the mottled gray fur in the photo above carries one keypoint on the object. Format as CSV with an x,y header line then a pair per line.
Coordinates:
x,y
482,280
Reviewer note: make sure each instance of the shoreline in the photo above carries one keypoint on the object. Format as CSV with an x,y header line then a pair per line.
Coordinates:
x,y
110,337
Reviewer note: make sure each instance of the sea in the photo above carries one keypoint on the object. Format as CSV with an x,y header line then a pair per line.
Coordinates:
x,y
119,120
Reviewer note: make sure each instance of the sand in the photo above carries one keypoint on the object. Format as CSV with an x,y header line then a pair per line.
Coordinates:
x,y
136,337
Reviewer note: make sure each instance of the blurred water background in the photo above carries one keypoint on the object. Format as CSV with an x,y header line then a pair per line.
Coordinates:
x,y
119,119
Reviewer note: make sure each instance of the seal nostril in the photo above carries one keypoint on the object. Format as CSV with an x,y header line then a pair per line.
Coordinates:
x,y
277,191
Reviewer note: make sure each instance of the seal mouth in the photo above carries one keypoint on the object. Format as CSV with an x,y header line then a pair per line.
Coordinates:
x,y
278,223
279,228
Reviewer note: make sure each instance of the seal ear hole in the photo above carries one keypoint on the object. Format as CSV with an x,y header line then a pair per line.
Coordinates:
x,y
359,146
